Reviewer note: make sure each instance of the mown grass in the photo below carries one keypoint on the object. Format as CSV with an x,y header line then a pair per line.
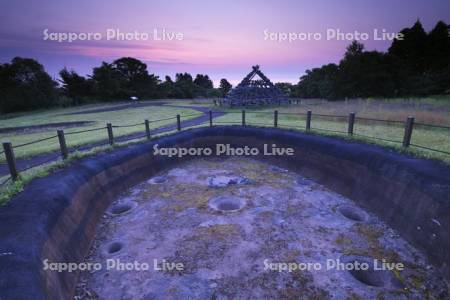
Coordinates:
x,y
431,110
118,117
389,135
11,188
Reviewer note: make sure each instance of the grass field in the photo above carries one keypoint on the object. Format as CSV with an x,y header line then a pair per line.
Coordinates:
x,y
388,134
99,119
425,110
430,111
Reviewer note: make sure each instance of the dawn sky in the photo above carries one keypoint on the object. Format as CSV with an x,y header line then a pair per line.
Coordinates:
x,y
219,38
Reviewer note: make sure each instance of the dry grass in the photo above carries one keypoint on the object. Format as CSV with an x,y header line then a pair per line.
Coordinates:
x,y
429,111
425,110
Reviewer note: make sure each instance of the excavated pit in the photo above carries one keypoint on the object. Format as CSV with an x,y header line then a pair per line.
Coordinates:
x,y
371,276
227,204
288,217
114,248
230,223
121,208
353,213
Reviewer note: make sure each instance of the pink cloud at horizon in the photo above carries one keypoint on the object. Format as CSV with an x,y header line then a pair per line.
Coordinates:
x,y
223,39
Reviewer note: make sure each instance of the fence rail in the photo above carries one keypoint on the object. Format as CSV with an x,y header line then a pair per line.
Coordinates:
x,y
83,131
432,125
8,148
352,121
36,141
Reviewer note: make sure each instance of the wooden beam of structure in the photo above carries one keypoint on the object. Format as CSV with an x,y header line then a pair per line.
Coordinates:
x,y
251,91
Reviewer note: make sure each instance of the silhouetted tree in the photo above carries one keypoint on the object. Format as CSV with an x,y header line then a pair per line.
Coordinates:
x,y
353,50
224,86
184,86
424,60
123,78
203,81
438,59
134,78
319,82
167,87
25,86
411,49
418,64
287,88
76,87
364,74
437,52
107,82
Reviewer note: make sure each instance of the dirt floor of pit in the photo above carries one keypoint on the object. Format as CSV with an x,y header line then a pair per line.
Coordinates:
x,y
225,229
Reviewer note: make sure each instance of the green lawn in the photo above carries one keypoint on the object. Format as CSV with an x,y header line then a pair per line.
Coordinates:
x,y
426,110
118,117
431,111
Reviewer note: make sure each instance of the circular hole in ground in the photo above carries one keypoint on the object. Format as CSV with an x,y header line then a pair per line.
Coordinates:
x,y
114,247
369,277
353,213
368,274
121,208
159,179
227,204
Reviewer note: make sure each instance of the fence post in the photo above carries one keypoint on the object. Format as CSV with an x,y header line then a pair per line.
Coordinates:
x,y
275,118
62,144
147,128
11,160
351,122
243,117
308,120
210,119
110,133
178,123
408,131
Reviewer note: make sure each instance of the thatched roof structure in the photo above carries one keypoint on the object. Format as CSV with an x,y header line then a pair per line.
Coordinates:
x,y
255,91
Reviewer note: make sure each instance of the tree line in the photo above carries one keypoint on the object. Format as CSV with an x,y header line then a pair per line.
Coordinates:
x,y
25,85
417,65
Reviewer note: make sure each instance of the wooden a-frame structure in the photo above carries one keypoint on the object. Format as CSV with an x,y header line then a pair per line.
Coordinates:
x,y
252,91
